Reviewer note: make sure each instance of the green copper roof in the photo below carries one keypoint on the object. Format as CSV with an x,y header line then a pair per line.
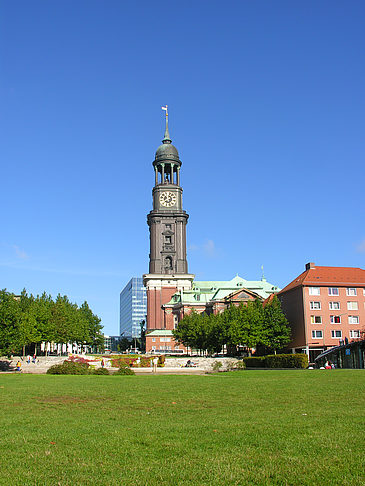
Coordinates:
x,y
206,291
159,332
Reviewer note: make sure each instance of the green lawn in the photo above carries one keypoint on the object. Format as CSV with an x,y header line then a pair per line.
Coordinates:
x,y
302,427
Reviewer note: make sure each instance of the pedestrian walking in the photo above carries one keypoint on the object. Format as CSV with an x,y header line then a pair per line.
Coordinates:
x,y
19,365
28,359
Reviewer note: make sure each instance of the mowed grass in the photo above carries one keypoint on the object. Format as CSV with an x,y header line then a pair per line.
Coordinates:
x,y
248,427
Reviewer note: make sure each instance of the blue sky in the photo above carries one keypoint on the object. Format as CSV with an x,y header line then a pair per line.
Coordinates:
x,y
267,110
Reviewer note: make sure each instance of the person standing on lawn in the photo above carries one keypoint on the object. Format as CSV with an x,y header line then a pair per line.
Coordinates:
x,y
155,362
19,366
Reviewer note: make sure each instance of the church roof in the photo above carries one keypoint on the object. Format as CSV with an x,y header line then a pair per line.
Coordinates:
x,y
213,290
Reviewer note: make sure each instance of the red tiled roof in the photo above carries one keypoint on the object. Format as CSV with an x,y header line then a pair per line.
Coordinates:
x,y
336,276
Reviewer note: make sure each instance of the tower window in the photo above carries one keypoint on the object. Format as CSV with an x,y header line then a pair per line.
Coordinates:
x,y
168,240
168,263
168,226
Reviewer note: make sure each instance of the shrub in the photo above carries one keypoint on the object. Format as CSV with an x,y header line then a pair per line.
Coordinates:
x,y
286,361
4,365
100,371
161,361
124,370
69,368
254,362
240,365
217,365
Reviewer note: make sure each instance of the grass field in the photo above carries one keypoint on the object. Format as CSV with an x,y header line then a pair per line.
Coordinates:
x,y
302,427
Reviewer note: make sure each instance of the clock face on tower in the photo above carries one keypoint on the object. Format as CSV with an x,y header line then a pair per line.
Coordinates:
x,y
167,199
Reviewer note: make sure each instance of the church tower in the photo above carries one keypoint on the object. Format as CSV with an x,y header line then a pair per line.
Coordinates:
x,y
168,266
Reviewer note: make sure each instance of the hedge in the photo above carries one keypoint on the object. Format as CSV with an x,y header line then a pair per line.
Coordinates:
x,y
277,361
286,361
254,362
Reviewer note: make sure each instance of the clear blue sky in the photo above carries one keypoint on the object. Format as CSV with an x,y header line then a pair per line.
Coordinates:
x,y
267,110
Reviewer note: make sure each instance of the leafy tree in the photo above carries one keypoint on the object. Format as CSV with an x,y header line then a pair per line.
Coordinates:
x,y
124,344
277,332
248,325
94,335
10,338
142,339
26,320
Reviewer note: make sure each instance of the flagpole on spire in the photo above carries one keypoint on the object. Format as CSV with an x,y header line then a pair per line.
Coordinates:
x,y
167,135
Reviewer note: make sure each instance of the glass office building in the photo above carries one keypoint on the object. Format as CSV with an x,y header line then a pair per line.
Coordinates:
x,y
133,308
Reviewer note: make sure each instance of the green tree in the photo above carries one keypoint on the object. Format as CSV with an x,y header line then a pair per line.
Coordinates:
x,y
11,340
277,332
124,344
93,334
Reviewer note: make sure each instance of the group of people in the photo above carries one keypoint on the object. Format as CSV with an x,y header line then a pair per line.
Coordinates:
x,y
328,365
29,359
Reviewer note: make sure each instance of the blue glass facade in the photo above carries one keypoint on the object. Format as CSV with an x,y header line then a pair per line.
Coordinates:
x,y
133,308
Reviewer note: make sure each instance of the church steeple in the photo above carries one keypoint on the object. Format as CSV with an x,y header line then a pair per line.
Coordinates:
x,y
167,220
168,265
166,138
167,163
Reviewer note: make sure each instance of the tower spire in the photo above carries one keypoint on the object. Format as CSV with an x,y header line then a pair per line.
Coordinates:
x,y
166,138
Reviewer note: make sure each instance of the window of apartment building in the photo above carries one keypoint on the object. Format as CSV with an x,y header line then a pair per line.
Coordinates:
x,y
352,306
354,333
351,291
353,319
153,340
165,340
316,319
314,291
317,334
333,291
153,348
315,305
335,319
334,305
336,334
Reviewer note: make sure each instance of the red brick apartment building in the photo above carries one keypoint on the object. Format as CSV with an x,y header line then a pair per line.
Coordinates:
x,y
324,305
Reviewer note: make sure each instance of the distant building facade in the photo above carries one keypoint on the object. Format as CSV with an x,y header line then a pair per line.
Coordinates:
x,y
111,343
133,308
325,306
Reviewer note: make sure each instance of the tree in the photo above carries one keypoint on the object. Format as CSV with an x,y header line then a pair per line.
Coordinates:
x,y
276,327
142,339
26,320
124,344
94,335
10,336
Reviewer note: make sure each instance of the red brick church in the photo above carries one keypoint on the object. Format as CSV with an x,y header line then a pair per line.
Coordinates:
x,y
171,290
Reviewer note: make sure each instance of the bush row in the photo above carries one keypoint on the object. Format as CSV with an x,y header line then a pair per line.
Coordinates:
x,y
277,361
72,368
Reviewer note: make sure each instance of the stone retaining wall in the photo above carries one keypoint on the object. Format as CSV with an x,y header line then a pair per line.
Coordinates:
x,y
201,362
